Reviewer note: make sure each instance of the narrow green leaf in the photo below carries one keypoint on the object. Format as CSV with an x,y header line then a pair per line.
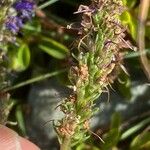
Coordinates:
x,y
111,139
134,129
47,3
129,3
124,85
115,121
35,79
140,141
20,120
53,48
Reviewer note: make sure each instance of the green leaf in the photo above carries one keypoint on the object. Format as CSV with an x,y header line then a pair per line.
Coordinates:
x,y
141,142
134,129
20,120
24,56
83,146
136,54
111,139
34,79
124,85
53,48
47,3
116,120
131,22
32,28
129,3
20,58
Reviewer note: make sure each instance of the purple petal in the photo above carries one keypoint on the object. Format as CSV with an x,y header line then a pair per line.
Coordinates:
x,y
24,5
14,23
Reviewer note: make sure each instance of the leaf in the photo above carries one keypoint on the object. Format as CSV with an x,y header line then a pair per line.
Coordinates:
x,y
53,48
142,141
20,120
131,22
83,146
47,3
131,55
124,85
24,56
134,129
129,3
111,139
116,120
20,58
32,28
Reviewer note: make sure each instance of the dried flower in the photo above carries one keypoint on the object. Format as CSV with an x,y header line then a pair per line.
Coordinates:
x,y
101,37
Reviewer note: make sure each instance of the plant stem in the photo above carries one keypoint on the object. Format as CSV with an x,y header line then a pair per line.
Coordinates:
x,y
95,67
66,144
144,7
46,4
36,79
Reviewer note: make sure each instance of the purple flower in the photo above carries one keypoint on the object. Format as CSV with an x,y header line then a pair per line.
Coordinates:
x,y
13,24
26,15
24,5
24,9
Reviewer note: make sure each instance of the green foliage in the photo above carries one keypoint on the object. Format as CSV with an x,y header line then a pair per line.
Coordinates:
x,y
141,141
84,147
131,23
6,105
46,4
115,121
124,85
19,57
135,128
129,3
32,29
53,48
128,19
112,137
5,36
97,46
41,38
20,120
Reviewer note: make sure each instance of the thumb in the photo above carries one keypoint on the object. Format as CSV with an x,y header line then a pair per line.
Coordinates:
x,y
10,140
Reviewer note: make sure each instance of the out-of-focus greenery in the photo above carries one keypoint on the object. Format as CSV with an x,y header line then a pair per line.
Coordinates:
x,y
44,46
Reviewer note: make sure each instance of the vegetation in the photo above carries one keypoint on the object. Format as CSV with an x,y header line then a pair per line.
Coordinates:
x,y
91,46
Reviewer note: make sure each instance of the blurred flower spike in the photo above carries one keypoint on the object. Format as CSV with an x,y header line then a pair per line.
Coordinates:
x,y
14,23
24,10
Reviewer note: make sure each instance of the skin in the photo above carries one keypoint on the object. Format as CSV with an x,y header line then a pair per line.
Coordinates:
x,y
10,140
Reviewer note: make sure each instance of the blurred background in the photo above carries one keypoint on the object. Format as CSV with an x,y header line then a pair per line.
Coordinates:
x,y
40,61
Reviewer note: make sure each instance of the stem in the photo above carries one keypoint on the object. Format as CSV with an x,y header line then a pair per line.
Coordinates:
x,y
91,70
46,4
66,144
141,35
36,79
